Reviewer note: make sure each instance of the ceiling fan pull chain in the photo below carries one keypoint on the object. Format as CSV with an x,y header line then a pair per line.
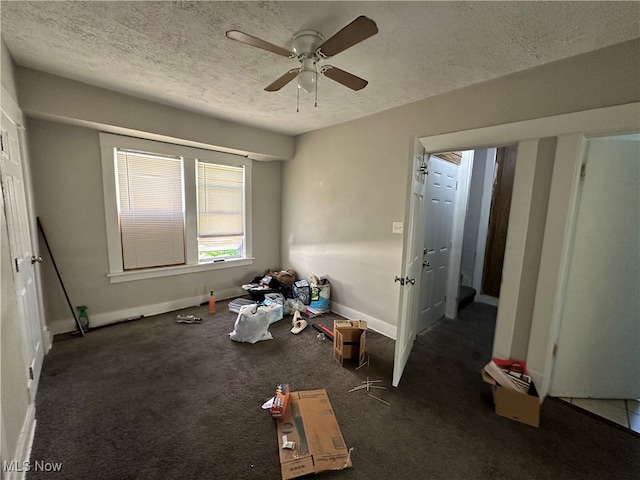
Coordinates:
x,y
316,69
297,100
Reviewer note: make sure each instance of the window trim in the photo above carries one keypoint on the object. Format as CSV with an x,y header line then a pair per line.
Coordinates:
x,y
116,273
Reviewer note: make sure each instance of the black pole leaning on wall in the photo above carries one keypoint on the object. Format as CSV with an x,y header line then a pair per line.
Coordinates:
x,y
53,260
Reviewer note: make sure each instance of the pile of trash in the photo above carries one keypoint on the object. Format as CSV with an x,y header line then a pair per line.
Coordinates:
x,y
274,295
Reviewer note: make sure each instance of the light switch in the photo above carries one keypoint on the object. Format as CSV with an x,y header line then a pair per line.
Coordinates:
x,y
398,227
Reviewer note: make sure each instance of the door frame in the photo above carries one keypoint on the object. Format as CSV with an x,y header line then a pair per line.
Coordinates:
x,y
520,333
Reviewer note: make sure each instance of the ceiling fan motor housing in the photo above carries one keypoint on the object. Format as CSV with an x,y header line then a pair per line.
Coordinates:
x,y
306,42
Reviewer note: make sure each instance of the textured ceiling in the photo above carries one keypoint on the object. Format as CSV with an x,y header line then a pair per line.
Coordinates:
x,y
177,53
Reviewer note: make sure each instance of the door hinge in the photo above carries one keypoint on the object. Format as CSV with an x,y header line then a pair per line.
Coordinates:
x,y
15,260
31,373
583,170
398,279
555,350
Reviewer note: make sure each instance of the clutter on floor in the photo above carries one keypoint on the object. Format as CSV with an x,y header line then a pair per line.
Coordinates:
x,y
514,393
279,293
297,323
188,319
271,282
236,304
252,324
280,401
323,330
320,294
368,386
212,302
349,340
309,437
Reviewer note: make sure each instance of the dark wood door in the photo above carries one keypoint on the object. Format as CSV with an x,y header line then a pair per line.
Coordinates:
x,y
499,220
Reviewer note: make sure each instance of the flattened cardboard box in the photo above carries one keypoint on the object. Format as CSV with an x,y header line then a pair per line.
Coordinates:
x,y
349,340
310,422
518,406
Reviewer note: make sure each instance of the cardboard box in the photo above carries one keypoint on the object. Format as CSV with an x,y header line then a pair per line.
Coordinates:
x,y
349,340
309,437
516,405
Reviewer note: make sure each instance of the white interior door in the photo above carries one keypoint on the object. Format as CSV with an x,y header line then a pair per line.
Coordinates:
x,y
414,228
439,208
14,195
598,349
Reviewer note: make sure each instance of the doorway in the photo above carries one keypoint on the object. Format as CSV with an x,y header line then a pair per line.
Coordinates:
x,y
505,168
484,223
598,349
544,195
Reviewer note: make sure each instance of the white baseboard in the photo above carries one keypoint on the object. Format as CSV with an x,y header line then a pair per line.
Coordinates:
x,y
373,323
23,447
118,316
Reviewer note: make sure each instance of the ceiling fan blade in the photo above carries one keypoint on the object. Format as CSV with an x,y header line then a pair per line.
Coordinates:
x,y
256,42
283,80
345,78
357,31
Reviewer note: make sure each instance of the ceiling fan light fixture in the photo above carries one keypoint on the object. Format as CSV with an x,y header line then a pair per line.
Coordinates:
x,y
308,75
307,81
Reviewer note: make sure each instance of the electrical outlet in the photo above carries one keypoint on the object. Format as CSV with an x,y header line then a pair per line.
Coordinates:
x,y
397,227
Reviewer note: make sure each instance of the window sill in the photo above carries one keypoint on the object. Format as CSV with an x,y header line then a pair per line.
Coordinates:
x,y
120,277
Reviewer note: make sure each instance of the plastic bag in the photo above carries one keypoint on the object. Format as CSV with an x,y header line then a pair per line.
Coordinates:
x,y
320,293
252,325
273,298
293,304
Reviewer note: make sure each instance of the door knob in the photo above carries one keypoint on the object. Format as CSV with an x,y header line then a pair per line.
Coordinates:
x,y
426,264
35,259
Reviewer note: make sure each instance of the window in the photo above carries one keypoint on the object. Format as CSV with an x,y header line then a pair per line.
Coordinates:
x,y
173,209
150,210
220,211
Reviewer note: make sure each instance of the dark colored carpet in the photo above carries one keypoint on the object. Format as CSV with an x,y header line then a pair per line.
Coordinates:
x,y
153,399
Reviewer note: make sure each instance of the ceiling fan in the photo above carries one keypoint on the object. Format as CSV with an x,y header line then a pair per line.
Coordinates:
x,y
309,47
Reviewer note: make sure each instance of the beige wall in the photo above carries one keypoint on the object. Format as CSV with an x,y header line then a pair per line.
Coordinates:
x,y
14,397
46,96
64,118
348,183
67,179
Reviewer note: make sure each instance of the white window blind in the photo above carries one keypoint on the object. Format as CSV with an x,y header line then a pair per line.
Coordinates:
x,y
150,209
220,211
